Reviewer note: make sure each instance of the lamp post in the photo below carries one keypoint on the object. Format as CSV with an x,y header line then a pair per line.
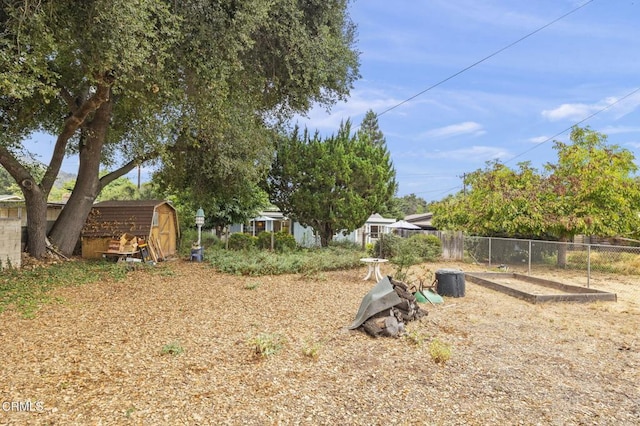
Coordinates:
x,y
199,223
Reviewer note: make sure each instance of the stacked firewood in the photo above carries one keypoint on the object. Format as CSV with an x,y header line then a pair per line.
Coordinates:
x,y
390,322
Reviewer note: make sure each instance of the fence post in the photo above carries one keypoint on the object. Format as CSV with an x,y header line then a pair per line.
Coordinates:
x,y
588,265
529,269
489,251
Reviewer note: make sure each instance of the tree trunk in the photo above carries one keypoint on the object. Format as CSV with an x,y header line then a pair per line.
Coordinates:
x,y
36,203
35,197
66,231
326,234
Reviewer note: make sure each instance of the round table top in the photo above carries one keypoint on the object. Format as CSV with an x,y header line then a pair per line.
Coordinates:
x,y
373,260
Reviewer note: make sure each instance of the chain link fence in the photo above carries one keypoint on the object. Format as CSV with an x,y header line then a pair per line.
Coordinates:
x,y
602,266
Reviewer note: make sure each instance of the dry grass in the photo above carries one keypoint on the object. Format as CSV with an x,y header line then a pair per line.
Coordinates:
x,y
97,356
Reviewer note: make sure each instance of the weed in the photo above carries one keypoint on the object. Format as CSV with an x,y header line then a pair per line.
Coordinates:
x,y
440,351
27,289
416,337
252,286
305,262
173,348
267,344
311,349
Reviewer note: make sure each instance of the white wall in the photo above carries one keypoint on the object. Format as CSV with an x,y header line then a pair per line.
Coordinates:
x,y
10,233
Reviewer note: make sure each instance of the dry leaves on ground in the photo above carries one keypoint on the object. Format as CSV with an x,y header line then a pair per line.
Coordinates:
x,y
177,346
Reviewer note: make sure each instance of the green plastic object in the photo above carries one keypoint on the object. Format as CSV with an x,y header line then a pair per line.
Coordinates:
x,y
428,296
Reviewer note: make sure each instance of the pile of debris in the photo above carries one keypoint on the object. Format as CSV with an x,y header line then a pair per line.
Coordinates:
x,y
386,308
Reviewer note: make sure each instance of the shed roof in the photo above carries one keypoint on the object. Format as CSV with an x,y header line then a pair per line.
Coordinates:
x,y
114,218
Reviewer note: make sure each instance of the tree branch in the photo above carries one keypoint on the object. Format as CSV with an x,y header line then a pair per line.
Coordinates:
x,y
13,166
126,168
71,125
68,99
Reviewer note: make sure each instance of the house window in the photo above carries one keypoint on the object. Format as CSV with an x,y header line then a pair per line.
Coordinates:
x,y
374,231
154,221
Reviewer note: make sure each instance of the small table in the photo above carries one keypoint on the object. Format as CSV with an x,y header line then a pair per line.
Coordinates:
x,y
374,267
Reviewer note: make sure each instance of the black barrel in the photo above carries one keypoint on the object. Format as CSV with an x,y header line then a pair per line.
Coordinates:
x,y
450,282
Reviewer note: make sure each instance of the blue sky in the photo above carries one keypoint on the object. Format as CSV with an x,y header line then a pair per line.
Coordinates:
x,y
502,108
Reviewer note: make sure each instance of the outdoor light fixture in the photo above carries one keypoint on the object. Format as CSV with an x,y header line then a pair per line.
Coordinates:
x,y
199,223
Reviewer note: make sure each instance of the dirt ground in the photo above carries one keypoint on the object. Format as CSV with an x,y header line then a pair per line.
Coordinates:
x,y
99,355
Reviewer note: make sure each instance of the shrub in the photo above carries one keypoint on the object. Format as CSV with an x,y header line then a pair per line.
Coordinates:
x,y
240,241
173,348
427,247
387,246
293,262
284,241
440,351
263,240
345,244
266,344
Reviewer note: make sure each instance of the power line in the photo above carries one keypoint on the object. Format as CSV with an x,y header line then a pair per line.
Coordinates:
x,y
575,124
546,140
485,58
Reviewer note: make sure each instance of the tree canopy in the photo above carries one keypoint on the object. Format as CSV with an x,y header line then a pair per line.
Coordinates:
x,y
332,184
122,83
591,190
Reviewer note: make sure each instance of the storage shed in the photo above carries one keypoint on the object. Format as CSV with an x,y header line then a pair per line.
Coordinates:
x,y
155,221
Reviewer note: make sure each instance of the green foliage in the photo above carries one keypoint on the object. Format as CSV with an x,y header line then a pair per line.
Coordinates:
x,y
282,241
260,263
192,86
26,290
440,351
252,285
119,189
241,241
312,349
370,129
416,337
427,247
412,204
387,246
285,241
333,184
267,344
591,190
173,348
263,240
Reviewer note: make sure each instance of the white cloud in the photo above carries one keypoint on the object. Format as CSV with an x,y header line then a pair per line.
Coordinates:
x,y
538,139
355,108
474,154
465,128
573,112
617,130
619,107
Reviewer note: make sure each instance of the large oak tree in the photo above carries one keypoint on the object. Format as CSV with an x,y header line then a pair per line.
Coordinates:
x,y
123,82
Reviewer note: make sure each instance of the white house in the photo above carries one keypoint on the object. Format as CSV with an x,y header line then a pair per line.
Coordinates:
x,y
275,221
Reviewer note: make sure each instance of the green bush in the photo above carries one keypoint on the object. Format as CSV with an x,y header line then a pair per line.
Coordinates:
x,y
285,241
273,263
240,241
345,244
427,247
263,240
387,246
282,241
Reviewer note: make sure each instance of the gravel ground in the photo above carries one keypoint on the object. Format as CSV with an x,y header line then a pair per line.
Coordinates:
x,y
107,353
